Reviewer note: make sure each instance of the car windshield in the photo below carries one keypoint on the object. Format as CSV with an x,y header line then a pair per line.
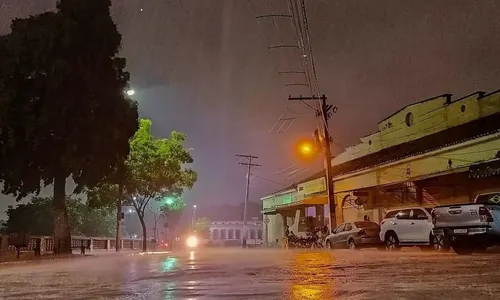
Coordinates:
x,y
493,198
391,214
366,224
428,209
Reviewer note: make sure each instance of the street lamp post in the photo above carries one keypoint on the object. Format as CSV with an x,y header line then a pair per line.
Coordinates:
x,y
194,215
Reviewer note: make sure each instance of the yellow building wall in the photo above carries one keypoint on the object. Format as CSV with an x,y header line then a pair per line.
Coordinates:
x,y
429,117
311,187
462,155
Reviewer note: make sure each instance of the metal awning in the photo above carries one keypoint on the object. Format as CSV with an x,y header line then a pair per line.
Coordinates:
x,y
485,169
317,200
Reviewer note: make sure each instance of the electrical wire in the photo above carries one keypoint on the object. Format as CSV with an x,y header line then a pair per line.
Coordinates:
x,y
269,180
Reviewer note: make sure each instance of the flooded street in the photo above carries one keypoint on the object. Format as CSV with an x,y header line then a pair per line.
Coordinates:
x,y
258,274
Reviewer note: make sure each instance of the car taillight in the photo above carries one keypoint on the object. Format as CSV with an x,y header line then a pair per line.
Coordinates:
x,y
361,232
484,215
433,215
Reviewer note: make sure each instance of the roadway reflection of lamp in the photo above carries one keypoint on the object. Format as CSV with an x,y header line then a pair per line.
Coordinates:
x,y
313,276
169,264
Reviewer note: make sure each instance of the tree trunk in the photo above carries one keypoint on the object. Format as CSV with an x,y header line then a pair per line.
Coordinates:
x,y
144,234
62,233
118,244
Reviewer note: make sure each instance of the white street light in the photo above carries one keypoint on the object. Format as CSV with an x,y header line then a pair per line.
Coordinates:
x,y
130,92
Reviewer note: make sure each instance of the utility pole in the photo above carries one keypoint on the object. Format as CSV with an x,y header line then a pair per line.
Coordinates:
x,y
249,165
325,112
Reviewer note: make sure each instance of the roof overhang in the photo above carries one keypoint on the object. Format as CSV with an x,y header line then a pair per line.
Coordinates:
x,y
316,200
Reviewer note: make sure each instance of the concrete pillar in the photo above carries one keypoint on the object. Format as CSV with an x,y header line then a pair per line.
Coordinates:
x,y
91,245
108,245
5,243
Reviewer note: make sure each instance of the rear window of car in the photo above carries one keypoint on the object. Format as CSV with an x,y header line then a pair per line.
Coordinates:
x,y
489,198
366,224
391,214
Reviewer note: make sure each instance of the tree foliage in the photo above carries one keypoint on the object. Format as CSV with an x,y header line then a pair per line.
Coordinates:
x,y
36,217
202,226
63,110
154,168
173,212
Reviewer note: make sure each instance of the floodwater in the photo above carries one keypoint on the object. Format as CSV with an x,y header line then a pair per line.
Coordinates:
x,y
258,274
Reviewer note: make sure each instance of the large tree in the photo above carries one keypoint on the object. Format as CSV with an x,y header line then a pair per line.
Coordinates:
x,y
36,217
63,110
154,168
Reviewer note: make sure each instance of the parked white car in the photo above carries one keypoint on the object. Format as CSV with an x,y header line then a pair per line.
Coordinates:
x,y
409,227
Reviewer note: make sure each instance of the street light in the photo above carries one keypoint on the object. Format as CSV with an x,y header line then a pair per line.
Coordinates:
x,y
130,92
306,149
194,213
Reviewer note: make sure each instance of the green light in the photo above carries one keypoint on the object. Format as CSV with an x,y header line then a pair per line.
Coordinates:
x,y
169,201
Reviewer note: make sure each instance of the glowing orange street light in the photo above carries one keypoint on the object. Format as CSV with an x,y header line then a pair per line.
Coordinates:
x,y
306,148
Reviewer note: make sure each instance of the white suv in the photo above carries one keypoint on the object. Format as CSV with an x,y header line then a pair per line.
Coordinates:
x,y
408,227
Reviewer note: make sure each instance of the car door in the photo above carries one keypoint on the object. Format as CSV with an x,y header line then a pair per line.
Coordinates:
x,y
421,226
335,240
344,235
402,225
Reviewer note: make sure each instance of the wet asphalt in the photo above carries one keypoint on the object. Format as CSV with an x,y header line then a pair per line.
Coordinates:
x,y
258,274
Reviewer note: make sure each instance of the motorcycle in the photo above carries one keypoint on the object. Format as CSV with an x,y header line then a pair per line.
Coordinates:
x,y
311,241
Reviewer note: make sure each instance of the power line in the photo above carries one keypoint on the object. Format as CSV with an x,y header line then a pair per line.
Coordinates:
x,y
266,179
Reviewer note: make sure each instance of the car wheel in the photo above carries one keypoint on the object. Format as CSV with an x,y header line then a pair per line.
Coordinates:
x,y
392,242
440,243
328,244
352,245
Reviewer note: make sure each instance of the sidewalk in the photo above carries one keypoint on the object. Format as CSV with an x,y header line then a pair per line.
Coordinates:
x,y
9,257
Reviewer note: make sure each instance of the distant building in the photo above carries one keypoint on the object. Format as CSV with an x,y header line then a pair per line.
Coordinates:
x,y
229,233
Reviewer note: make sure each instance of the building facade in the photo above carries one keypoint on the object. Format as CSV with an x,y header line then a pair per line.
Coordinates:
x,y
227,233
437,151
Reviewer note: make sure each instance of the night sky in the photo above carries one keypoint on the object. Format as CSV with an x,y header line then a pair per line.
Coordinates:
x,y
202,67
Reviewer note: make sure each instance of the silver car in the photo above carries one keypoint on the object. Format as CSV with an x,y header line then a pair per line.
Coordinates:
x,y
355,235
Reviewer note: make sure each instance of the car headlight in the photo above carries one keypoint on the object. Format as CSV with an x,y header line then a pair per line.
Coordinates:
x,y
192,242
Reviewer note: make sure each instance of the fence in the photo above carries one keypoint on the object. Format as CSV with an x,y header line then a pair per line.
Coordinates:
x,y
90,243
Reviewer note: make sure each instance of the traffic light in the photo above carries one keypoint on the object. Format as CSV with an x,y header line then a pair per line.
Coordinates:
x,y
168,201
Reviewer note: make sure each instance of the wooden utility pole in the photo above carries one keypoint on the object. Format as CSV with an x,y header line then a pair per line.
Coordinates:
x,y
249,164
324,113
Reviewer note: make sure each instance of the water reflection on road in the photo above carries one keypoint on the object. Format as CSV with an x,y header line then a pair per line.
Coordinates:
x,y
312,276
258,274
